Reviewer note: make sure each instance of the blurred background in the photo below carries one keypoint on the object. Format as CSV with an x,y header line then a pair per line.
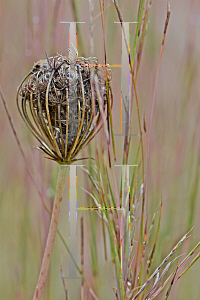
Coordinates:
x,y
28,29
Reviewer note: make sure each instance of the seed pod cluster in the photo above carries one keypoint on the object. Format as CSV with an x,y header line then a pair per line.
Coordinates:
x,y
61,101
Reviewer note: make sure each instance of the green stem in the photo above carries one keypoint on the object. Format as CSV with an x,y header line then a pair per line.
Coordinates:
x,y
52,233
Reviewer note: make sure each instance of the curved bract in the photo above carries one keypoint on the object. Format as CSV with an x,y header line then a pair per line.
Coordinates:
x,y
60,103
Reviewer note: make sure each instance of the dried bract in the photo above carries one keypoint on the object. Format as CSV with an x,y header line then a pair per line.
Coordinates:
x,y
59,102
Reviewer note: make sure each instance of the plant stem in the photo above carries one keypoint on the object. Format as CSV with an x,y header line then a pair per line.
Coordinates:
x,y
52,233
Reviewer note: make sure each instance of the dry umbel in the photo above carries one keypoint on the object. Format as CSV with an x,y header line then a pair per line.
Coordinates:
x,y
61,100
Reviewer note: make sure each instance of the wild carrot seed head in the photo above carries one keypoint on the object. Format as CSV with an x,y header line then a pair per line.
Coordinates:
x,y
59,102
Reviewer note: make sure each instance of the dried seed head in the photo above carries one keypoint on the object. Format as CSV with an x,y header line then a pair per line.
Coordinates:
x,y
59,102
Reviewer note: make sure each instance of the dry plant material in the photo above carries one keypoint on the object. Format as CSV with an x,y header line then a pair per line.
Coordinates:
x,y
60,102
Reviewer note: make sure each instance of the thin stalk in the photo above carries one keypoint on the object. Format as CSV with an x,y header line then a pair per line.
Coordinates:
x,y
52,233
82,258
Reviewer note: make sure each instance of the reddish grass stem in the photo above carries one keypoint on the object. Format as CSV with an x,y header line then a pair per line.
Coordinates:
x,y
52,233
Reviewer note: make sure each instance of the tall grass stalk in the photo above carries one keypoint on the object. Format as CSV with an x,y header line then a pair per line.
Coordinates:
x,y
136,283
